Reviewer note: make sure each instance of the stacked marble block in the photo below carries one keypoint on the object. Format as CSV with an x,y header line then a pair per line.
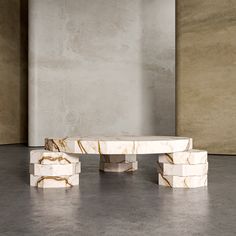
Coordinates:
x,y
187,169
53,169
118,163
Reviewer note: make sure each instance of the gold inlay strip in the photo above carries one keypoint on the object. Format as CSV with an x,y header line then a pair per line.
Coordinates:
x,y
166,180
82,149
53,159
56,178
54,145
62,143
100,151
170,159
99,148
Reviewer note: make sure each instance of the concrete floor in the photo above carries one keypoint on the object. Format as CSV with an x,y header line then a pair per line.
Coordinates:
x,y
115,204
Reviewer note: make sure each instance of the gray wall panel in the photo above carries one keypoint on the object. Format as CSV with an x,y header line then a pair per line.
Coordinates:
x,y
101,68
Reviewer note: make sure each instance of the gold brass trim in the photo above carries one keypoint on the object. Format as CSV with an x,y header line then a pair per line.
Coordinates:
x,y
170,158
166,180
82,149
53,159
56,178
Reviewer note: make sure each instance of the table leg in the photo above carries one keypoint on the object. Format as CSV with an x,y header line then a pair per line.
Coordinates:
x,y
118,163
54,169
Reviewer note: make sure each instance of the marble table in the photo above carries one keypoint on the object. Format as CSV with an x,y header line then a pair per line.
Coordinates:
x,y
125,145
179,164
118,154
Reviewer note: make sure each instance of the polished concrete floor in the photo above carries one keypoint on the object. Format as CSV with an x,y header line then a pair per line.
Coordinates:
x,y
115,204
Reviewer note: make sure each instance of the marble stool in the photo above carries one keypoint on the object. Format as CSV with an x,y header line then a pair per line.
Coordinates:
x,y
187,169
53,169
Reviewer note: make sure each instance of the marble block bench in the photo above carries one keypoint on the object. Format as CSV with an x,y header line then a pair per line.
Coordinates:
x,y
179,164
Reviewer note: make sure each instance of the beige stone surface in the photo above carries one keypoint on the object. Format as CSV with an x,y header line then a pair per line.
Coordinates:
x,y
55,170
54,181
182,170
118,167
119,144
182,182
42,156
13,71
191,157
206,69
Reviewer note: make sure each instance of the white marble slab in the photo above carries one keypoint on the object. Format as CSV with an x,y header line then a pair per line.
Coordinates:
x,y
119,145
46,157
119,158
191,157
55,170
118,167
54,181
182,170
182,182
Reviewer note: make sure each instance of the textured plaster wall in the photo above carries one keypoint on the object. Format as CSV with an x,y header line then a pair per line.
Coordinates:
x,y
101,68
13,71
206,73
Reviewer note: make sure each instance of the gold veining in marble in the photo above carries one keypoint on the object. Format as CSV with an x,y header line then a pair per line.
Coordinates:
x,y
170,159
166,180
56,178
82,149
119,145
53,159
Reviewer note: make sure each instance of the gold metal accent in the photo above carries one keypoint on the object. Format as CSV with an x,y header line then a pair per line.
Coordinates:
x,y
54,145
62,143
56,178
53,159
161,173
170,158
99,148
166,180
100,151
82,149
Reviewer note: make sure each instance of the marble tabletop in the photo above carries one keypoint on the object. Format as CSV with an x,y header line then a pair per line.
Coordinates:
x,y
119,145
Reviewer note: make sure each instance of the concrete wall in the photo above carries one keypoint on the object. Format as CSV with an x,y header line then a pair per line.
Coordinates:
x,y
13,71
206,69
101,68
